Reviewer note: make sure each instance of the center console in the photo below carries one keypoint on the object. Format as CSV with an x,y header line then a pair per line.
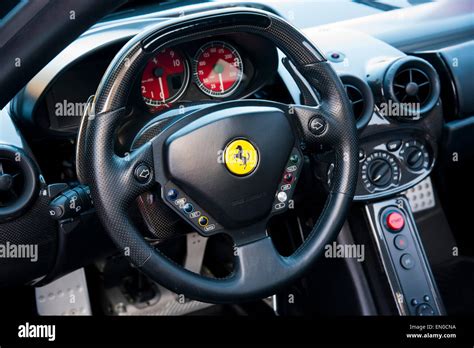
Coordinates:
x,y
403,258
396,101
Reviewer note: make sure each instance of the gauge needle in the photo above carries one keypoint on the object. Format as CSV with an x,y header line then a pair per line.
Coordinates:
x,y
162,92
221,82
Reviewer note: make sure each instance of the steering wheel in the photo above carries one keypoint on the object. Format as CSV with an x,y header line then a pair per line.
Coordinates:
x,y
226,167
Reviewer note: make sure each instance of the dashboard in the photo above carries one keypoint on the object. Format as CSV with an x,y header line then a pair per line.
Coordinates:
x,y
399,128
209,70
397,150
398,147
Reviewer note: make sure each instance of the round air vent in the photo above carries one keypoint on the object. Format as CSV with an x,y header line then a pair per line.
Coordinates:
x,y
361,98
18,181
413,84
357,100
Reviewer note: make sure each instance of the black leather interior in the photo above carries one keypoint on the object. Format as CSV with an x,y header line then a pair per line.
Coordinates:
x,y
113,185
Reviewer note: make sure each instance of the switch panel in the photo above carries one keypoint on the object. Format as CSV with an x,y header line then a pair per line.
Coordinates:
x,y
180,202
403,257
287,185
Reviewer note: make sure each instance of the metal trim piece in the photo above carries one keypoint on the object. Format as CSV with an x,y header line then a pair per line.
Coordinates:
x,y
67,295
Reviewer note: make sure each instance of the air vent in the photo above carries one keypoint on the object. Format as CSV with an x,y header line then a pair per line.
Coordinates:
x,y
361,98
357,100
11,182
18,181
413,84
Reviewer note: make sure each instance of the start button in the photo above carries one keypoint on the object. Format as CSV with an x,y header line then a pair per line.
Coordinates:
x,y
394,221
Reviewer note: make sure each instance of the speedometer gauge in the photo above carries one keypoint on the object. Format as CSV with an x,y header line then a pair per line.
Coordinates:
x,y
165,78
218,69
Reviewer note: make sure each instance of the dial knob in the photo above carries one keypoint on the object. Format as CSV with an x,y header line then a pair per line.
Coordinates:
x,y
414,157
380,172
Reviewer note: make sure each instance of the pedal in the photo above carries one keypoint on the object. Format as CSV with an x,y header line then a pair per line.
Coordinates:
x,y
195,248
421,196
67,295
164,302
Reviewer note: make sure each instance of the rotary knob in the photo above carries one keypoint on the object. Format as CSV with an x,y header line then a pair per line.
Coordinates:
x,y
415,155
380,172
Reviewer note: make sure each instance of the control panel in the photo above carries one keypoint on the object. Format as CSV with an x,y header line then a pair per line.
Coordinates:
x,y
403,258
391,166
180,202
288,181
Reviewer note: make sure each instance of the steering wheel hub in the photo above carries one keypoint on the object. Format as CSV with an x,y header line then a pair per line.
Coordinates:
x,y
253,141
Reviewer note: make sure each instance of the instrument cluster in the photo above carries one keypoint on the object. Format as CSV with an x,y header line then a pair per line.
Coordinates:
x,y
200,71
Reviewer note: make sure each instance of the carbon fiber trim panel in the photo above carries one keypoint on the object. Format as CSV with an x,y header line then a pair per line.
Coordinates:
x,y
126,65
81,166
150,132
161,221
35,228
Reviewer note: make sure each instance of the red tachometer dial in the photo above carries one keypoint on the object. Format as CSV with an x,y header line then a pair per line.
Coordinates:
x,y
165,78
218,69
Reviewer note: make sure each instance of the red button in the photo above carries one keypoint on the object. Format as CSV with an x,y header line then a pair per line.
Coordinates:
x,y
401,242
288,178
395,221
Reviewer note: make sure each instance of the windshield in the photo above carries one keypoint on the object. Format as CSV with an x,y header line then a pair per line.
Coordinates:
x,y
304,13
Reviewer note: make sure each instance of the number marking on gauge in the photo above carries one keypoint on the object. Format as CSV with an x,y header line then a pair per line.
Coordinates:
x,y
218,69
165,78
